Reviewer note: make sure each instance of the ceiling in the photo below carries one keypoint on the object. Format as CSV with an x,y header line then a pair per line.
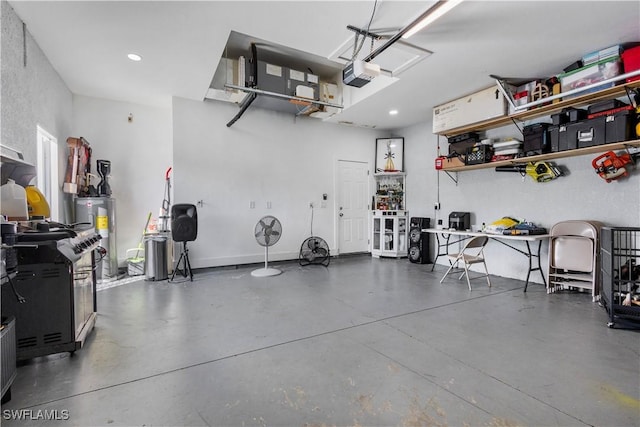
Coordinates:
x,y
181,42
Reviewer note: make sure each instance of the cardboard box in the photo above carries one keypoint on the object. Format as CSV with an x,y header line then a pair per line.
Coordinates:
x,y
476,107
453,162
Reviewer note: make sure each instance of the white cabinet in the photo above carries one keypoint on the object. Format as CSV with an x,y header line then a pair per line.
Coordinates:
x,y
389,234
389,222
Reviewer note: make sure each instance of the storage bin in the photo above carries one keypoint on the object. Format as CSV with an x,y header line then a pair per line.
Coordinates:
x,y
478,154
631,62
587,133
568,115
594,73
619,127
561,140
536,139
135,262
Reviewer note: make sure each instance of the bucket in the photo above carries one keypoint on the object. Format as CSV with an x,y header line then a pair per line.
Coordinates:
x,y
155,260
14,201
135,262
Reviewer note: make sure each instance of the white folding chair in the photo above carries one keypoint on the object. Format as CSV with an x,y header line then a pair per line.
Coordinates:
x,y
471,253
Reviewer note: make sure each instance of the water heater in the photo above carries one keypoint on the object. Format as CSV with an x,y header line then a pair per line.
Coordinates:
x,y
100,212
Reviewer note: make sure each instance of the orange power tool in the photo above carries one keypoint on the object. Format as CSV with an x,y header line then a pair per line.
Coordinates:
x,y
611,166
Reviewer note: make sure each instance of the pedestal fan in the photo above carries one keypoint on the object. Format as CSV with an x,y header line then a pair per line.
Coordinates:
x,y
267,233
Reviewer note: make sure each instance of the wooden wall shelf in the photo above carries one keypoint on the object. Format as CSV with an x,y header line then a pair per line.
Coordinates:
x,y
550,156
545,110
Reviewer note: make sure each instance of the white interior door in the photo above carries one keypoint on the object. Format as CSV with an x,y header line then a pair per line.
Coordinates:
x,y
353,211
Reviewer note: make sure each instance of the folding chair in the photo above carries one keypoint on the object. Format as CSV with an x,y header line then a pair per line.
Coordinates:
x,y
472,253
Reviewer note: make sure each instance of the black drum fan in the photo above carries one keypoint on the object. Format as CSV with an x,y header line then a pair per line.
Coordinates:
x,y
314,250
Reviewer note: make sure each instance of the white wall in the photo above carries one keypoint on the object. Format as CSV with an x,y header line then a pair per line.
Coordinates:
x,y
490,195
422,178
140,152
32,94
265,156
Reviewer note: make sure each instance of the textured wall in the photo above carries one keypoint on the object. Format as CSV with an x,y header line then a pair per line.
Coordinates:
x,y
32,94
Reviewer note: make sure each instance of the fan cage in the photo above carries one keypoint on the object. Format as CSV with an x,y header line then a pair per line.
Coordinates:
x,y
314,250
268,231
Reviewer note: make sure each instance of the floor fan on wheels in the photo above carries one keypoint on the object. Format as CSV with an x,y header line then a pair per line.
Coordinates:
x,y
267,233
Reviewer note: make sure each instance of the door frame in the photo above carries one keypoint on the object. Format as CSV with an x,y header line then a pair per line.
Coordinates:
x,y
336,191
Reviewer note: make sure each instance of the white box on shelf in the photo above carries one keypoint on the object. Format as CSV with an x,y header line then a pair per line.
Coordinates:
x,y
476,107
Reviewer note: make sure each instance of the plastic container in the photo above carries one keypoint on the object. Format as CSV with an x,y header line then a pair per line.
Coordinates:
x,y
135,262
591,74
14,201
36,203
631,62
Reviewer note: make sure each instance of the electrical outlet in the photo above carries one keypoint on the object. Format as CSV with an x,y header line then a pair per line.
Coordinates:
x,y
436,206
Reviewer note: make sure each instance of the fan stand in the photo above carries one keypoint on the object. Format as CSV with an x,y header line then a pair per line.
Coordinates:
x,y
266,271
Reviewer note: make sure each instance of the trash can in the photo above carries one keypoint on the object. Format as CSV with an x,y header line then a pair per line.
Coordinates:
x,y
155,260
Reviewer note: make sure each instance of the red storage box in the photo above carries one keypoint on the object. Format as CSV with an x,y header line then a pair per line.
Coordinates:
x,y
631,62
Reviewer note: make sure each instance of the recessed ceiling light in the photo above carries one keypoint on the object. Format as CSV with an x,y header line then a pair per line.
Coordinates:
x,y
134,57
393,112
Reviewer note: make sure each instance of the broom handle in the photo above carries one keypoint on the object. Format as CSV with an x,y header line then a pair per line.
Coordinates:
x,y
144,231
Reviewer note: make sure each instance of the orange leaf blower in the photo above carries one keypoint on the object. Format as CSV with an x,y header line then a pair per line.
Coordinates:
x,y
611,166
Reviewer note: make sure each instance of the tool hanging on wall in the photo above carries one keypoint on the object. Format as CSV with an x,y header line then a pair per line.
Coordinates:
x,y
543,171
611,166
538,171
77,176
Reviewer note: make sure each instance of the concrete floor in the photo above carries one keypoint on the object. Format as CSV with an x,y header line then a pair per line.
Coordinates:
x,y
364,342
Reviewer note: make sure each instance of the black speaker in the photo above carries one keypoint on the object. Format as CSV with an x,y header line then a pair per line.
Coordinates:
x,y
184,222
418,252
